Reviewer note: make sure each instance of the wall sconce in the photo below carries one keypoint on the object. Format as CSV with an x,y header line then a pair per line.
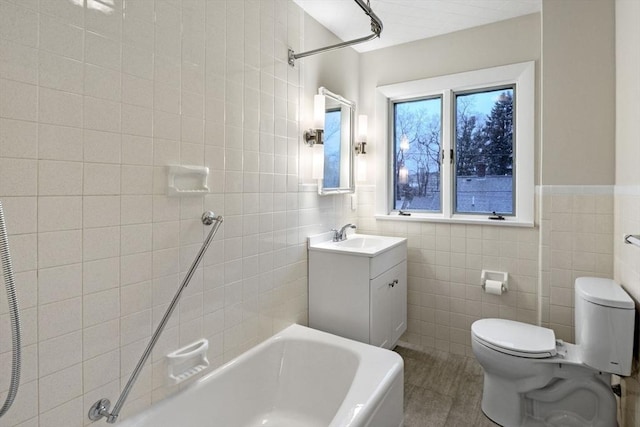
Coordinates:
x,y
403,174
313,137
404,142
361,142
361,147
403,171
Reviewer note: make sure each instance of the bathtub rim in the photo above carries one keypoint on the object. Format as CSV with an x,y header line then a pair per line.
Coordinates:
x,y
377,370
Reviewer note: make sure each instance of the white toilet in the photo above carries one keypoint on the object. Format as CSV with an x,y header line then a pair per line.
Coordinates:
x,y
530,379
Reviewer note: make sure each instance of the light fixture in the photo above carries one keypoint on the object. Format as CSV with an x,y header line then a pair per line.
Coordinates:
x,y
404,142
362,168
317,168
403,174
313,137
361,142
361,147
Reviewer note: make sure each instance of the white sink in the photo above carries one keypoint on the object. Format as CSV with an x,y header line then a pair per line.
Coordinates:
x,y
360,242
355,244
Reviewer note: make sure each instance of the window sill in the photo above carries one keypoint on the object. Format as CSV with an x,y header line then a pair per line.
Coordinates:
x,y
418,217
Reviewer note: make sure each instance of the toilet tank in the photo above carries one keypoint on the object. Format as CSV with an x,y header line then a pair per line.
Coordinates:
x,y
604,319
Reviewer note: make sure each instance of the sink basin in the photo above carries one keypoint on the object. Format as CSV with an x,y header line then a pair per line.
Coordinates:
x,y
360,242
355,244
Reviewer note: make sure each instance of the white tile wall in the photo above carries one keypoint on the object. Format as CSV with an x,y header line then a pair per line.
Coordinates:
x,y
95,101
444,266
577,240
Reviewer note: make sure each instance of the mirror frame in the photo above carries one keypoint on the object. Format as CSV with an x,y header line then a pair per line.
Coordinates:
x,y
352,114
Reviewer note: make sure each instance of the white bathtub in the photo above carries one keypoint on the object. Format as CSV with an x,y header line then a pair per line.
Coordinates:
x,y
298,378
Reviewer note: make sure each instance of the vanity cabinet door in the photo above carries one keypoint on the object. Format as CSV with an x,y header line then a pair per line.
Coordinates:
x,y
388,318
379,332
399,303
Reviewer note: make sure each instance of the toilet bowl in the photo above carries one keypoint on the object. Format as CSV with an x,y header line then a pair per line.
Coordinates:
x,y
532,379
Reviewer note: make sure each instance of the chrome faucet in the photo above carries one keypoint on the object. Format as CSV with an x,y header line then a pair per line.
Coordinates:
x,y
340,235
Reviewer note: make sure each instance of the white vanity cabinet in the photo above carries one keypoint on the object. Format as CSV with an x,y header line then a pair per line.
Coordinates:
x,y
360,292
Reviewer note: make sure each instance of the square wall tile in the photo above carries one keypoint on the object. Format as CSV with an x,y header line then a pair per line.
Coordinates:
x,y
60,143
18,100
59,248
60,387
18,139
59,178
58,213
60,353
59,283
101,179
59,318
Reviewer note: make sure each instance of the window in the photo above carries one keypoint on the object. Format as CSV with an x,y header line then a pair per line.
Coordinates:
x,y
461,147
483,151
417,126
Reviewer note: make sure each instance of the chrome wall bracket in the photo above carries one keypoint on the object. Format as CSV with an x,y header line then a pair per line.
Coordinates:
x,y
100,409
632,239
313,136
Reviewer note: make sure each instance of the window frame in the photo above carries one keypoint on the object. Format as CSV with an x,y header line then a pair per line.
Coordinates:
x,y
522,76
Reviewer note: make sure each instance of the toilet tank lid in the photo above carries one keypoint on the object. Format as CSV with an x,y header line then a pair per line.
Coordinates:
x,y
603,292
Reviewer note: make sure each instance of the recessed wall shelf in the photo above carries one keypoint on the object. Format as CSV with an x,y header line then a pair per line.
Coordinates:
x,y
184,180
186,362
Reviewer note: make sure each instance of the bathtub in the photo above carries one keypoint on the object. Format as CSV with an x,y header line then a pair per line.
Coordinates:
x,y
300,377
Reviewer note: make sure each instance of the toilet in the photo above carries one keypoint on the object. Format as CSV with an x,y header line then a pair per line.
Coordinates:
x,y
532,379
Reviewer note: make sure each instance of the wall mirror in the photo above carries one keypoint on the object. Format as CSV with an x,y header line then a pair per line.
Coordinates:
x,y
339,134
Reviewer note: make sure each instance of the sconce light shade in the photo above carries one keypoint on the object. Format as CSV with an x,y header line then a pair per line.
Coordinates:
x,y
317,169
403,175
318,112
404,142
361,141
362,168
363,123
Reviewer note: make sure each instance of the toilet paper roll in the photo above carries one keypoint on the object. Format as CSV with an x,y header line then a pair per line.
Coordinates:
x,y
493,287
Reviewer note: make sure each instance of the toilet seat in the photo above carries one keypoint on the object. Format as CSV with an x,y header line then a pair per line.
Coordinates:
x,y
515,338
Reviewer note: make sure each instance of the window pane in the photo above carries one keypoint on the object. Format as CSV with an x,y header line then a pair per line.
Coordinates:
x,y
417,128
484,158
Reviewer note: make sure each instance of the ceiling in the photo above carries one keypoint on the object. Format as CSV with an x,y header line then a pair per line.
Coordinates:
x,y
409,20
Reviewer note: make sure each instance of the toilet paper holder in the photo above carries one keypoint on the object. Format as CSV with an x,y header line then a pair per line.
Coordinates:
x,y
500,276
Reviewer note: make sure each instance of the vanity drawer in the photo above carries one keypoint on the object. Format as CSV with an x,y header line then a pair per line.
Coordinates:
x,y
384,261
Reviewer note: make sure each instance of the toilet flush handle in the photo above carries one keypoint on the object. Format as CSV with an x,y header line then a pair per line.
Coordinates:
x,y
561,349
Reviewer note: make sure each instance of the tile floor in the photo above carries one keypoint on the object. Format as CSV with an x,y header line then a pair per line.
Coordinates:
x,y
441,390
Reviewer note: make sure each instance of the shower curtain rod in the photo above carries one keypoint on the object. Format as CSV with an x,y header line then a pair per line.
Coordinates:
x,y
376,29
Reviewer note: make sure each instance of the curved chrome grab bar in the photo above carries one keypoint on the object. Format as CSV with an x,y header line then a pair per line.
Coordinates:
x,y
376,29
100,409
